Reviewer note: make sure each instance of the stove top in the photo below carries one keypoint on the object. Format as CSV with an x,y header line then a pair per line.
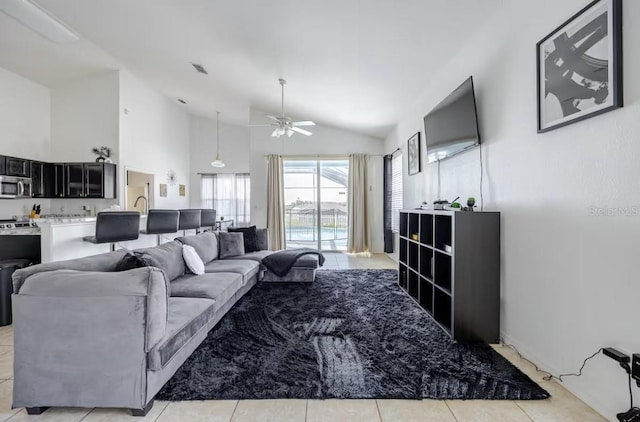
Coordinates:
x,y
13,224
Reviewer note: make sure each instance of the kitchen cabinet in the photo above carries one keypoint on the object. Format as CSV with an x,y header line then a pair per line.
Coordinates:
x,y
100,180
74,180
54,182
63,180
18,167
37,179
90,180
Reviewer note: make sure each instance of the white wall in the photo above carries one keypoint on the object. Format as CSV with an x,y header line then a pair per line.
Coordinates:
x,y
154,138
569,279
25,127
324,141
84,114
235,145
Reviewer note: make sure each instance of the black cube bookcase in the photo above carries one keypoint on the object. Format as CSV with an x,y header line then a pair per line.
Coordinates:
x,y
450,265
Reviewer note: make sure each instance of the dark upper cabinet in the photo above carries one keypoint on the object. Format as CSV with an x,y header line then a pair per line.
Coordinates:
x,y
38,177
17,167
100,180
74,180
64,180
55,183
90,180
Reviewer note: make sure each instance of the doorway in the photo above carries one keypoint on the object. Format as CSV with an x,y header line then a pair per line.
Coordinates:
x,y
139,191
316,206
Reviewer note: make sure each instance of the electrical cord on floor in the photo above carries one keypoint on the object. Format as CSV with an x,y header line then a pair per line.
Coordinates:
x,y
549,375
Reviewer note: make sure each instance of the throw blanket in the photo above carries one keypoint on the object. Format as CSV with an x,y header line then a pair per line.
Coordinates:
x,y
281,262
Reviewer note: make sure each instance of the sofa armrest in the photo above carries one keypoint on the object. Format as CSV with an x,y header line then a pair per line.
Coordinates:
x,y
148,282
88,332
102,262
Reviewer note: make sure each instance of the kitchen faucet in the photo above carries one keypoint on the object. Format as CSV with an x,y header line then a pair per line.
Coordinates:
x,y
146,204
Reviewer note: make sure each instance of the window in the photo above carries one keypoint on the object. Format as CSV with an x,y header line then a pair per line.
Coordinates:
x,y
396,191
229,195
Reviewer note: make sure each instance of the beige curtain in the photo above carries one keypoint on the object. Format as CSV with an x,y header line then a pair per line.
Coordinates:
x,y
358,219
275,202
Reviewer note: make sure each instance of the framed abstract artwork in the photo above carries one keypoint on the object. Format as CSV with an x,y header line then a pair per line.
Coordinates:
x,y
413,154
163,190
580,66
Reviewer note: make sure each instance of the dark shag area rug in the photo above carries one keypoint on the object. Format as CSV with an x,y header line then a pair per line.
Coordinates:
x,y
350,334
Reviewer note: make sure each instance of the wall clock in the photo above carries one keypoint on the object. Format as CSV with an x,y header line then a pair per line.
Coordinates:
x,y
171,178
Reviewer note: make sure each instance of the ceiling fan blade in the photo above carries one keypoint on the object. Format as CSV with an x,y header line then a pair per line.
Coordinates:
x,y
302,131
289,133
272,117
304,123
268,124
276,133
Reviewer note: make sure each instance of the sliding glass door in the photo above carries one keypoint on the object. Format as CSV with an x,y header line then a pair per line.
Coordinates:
x,y
315,197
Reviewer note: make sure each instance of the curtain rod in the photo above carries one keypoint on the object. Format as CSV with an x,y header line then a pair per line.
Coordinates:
x,y
302,157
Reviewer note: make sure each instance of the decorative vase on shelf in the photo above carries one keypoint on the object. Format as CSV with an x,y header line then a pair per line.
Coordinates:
x,y
100,160
108,160
221,218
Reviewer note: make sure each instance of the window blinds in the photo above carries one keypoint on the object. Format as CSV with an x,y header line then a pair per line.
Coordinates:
x,y
396,191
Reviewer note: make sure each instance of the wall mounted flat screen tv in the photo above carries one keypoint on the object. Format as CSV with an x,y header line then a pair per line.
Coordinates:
x,y
452,126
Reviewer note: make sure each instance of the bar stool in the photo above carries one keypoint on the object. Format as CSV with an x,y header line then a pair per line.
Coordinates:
x,y
115,226
189,220
161,222
208,218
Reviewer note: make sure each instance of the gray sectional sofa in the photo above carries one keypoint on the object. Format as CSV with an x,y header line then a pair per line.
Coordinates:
x,y
88,336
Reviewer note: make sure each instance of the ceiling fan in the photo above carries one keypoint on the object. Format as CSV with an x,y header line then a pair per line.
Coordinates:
x,y
283,124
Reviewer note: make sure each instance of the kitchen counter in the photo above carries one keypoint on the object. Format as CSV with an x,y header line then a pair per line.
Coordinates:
x,y
62,238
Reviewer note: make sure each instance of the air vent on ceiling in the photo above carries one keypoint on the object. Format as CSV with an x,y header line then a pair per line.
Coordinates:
x,y
200,68
180,100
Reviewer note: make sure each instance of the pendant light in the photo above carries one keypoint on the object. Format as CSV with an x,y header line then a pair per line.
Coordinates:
x,y
217,162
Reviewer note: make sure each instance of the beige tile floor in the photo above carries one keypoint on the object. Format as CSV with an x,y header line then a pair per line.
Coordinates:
x,y
562,407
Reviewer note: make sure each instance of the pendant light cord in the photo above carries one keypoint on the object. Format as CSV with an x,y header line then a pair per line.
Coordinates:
x,y
218,135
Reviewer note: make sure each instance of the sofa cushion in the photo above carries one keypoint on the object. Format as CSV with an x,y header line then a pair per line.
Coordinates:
x,y
186,317
167,257
247,268
231,244
217,286
206,244
250,237
257,256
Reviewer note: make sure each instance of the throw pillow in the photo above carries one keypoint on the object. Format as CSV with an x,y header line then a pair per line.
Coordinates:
x,y
206,244
231,244
131,261
250,237
192,260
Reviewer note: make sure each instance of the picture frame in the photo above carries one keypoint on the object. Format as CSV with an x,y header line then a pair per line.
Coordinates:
x,y
579,67
182,190
414,156
163,190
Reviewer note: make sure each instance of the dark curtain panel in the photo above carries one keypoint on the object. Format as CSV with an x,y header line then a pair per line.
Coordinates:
x,y
388,234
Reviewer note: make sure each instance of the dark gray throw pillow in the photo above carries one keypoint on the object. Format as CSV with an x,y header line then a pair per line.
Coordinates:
x,y
131,261
231,244
250,237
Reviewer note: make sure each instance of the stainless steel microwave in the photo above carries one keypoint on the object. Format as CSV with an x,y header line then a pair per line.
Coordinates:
x,y
15,187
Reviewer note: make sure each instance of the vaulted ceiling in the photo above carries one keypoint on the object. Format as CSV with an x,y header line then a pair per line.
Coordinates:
x,y
350,63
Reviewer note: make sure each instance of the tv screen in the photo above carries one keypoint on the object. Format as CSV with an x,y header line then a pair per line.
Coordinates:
x,y
452,126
